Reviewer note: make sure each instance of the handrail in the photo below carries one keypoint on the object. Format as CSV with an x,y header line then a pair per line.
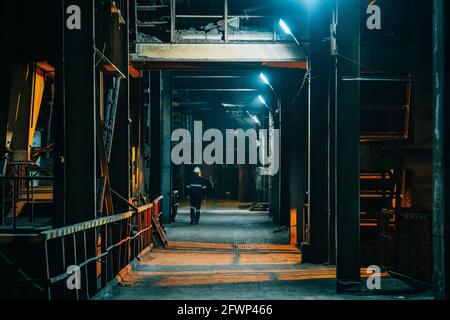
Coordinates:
x,y
27,178
118,240
68,230
19,189
65,231
146,207
67,274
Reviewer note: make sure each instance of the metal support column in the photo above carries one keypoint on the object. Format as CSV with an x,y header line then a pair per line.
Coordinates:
x,y
317,249
347,157
4,103
155,134
298,128
120,154
137,135
75,158
225,21
283,172
332,143
441,150
275,190
292,190
166,131
173,20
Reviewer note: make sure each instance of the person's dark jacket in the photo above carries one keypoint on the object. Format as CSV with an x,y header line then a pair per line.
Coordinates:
x,y
197,187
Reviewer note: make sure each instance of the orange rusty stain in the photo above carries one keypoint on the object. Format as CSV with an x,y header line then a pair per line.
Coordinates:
x,y
134,73
287,65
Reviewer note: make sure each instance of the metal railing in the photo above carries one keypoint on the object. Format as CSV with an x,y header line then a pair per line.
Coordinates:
x,y
406,245
228,24
81,259
15,189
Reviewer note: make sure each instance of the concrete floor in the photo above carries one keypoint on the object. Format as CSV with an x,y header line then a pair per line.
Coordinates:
x,y
217,204
236,255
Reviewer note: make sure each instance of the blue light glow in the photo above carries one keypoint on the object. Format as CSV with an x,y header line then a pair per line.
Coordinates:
x,y
263,78
262,100
285,27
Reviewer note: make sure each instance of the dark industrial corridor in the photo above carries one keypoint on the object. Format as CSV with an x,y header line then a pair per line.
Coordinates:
x,y
242,260
224,150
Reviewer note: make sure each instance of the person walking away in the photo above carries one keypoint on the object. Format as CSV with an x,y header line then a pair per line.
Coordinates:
x,y
197,189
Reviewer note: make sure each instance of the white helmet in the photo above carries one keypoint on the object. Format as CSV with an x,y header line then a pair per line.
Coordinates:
x,y
197,170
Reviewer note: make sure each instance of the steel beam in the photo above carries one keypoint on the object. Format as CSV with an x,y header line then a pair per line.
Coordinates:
x,y
155,133
316,251
160,135
441,153
292,152
75,157
331,159
137,135
4,103
242,52
347,157
120,154
166,145
275,205
225,21
219,83
58,123
297,122
218,89
285,146
173,17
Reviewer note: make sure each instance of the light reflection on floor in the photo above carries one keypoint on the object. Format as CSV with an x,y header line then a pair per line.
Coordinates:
x,y
251,264
235,264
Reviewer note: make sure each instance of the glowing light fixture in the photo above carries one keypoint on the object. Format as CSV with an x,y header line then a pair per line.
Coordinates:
x,y
287,30
262,100
255,118
264,79
285,27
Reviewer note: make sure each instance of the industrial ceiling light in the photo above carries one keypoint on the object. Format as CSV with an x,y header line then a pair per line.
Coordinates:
x,y
254,118
285,27
264,79
262,100
288,31
232,105
307,77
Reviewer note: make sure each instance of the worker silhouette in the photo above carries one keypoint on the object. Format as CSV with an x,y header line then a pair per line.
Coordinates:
x,y
197,189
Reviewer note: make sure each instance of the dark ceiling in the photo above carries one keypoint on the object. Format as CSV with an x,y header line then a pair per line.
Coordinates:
x,y
221,96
